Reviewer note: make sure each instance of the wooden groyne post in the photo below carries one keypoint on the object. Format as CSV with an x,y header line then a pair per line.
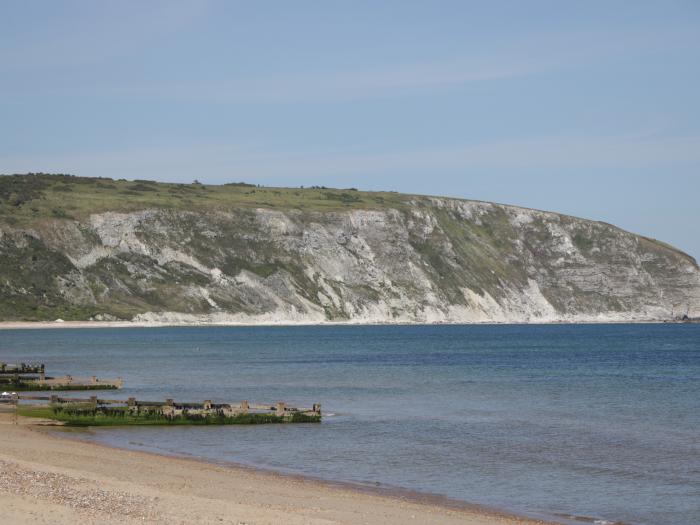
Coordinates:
x,y
170,408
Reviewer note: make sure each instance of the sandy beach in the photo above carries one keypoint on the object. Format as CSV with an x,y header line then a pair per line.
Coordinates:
x,y
47,479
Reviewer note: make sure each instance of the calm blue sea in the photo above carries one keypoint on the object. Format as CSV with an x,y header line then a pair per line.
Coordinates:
x,y
600,421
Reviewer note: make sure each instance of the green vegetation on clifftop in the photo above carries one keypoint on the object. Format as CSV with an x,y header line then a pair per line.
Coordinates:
x,y
25,199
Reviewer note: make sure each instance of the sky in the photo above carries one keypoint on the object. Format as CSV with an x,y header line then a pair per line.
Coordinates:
x,y
587,108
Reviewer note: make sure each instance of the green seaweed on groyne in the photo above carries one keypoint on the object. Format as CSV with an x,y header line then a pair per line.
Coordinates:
x,y
94,411
88,416
85,412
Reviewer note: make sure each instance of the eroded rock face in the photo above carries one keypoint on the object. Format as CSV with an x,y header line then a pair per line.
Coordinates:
x,y
436,260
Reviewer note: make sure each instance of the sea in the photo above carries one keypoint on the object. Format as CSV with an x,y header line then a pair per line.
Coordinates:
x,y
571,423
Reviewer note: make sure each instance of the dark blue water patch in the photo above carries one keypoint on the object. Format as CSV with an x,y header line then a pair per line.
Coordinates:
x,y
591,420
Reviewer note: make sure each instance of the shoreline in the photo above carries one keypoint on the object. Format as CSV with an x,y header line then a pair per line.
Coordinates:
x,y
381,490
162,488
44,325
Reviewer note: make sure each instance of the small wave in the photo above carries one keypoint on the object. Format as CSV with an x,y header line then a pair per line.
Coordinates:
x,y
589,519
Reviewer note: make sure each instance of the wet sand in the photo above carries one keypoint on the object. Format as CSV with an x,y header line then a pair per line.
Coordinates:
x,y
45,478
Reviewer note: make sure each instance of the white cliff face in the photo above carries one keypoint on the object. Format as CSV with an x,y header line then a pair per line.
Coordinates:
x,y
434,261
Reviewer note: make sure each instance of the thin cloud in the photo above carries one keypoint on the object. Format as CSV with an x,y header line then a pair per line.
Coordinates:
x,y
524,57
220,160
328,86
93,34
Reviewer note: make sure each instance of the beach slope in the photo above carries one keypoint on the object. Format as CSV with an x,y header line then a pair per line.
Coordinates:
x,y
49,479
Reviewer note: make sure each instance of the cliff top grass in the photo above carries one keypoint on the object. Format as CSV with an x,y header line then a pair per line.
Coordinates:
x,y
32,197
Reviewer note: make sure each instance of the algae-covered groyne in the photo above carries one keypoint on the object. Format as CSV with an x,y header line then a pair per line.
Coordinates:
x,y
26,377
94,411
109,412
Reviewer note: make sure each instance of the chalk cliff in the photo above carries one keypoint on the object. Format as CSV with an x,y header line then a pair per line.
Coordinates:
x,y
104,250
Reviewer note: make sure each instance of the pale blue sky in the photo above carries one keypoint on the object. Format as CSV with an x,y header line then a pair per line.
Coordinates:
x,y
587,108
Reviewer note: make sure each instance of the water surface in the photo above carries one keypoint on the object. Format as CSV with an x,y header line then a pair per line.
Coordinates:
x,y
592,420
